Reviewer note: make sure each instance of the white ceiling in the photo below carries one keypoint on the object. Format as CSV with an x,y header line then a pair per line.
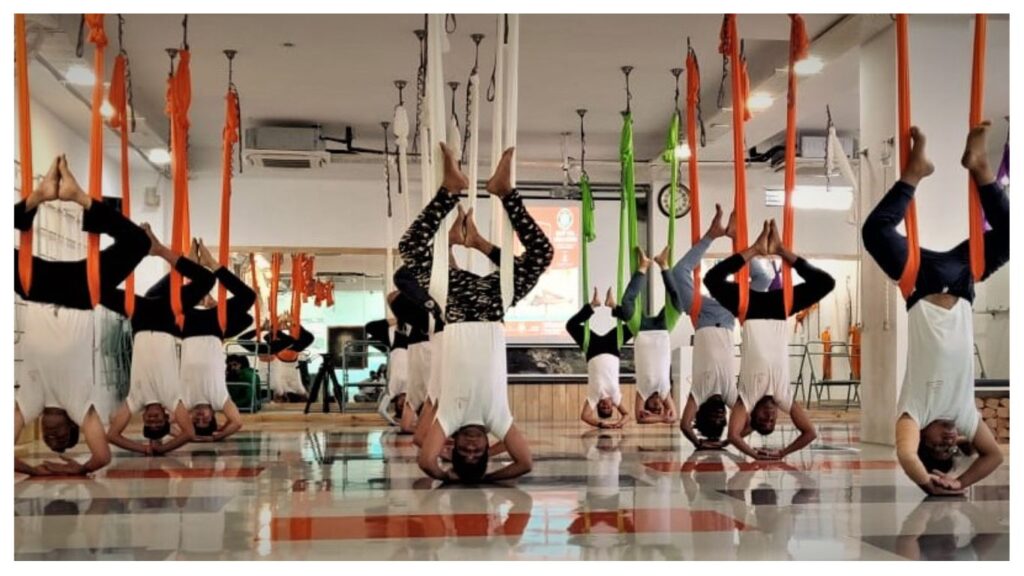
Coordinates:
x,y
341,69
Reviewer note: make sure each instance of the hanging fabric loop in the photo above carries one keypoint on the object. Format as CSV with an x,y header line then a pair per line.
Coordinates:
x,y
179,99
976,242
24,147
256,288
730,47
628,240
229,136
98,38
275,281
589,230
672,157
799,45
909,276
692,118
118,98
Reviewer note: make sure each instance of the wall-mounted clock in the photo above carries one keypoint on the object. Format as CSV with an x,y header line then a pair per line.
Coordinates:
x,y
682,200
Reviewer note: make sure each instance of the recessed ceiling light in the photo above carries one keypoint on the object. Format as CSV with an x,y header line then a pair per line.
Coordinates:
x,y
760,101
808,66
159,156
683,151
288,45
107,110
80,75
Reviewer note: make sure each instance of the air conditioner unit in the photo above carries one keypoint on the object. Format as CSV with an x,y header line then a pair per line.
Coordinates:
x,y
285,147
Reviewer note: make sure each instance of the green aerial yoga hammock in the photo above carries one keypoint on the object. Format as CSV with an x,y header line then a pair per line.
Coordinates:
x,y
627,222
589,235
670,156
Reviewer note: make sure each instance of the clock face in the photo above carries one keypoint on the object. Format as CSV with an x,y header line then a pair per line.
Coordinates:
x,y
682,200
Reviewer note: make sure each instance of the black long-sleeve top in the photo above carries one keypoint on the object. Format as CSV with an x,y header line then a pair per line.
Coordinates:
x,y
203,321
65,283
380,331
473,298
153,313
940,272
768,305
607,343
266,346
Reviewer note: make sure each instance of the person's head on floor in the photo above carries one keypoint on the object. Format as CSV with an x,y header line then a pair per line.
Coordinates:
x,y
711,419
399,402
236,363
761,274
606,443
59,431
469,453
156,423
204,420
605,408
763,416
938,445
654,404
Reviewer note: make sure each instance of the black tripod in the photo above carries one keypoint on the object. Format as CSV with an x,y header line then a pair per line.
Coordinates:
x,y
324,376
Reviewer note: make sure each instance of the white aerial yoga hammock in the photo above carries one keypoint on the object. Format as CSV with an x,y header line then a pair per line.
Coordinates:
x,y
400,127
473,118
503,135
432,133
836,156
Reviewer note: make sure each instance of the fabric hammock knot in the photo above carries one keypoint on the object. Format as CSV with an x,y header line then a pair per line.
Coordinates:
x,y
97,35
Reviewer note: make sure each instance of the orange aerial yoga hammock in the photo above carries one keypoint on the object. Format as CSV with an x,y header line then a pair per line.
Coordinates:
x,y
730,48
692,102
976,241
24,147
975,213
179,98
798,49
118,98
256,289
298,285
230,137
275,278
99,38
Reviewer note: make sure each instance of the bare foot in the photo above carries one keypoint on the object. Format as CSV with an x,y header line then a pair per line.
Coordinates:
x,y
643,262
47,190
457,233
454,180
761,244
595,301
500,183
155,247
774,241
662,258
717,230
609,299
975,156
918,166
730,228
69,190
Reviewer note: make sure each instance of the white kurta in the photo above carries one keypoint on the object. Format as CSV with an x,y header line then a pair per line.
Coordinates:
x,y
603,379
419,373
57,356
939,382
154,377
764,367
202,372
652,355
285,378
474,379
398,371
434,386
713,365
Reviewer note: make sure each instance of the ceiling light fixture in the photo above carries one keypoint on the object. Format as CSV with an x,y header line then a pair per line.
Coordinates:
x,y
835,198
683,151
80,75
107,110
758,101
809,66
159,156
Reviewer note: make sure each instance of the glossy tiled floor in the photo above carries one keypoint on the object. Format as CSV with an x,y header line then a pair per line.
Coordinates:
x,y
288,492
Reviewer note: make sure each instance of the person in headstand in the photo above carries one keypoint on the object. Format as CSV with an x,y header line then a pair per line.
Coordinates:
x,y
651,345
394,341
937,415
417,309
155,387
474,401
764,386
55,378
604,396
203,361
713,384
283,370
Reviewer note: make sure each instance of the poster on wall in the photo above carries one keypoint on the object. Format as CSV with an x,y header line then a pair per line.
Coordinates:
x,y
541,315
